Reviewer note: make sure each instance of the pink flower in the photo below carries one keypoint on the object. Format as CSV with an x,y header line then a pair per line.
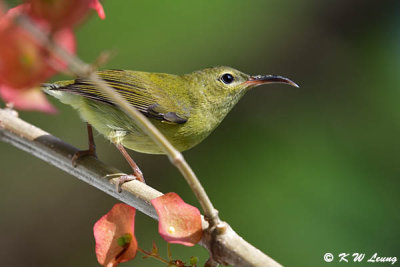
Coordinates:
x,y
24,63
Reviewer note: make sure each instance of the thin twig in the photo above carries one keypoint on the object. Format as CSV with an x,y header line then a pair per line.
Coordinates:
x,y
149,254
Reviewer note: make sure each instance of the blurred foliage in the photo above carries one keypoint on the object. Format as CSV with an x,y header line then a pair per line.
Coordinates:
x,y
297,172
12,3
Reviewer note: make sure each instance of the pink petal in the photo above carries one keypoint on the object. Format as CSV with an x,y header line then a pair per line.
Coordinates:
x,y
118,224
26,99
96,5
179,222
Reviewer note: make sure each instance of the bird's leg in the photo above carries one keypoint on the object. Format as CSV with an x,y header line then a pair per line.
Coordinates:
x,y
137,173
89,152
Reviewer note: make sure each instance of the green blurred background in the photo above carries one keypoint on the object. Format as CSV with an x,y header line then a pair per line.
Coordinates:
x,y
296,172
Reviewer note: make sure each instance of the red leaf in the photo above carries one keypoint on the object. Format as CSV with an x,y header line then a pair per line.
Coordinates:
x,y
179,222
31,99
114,235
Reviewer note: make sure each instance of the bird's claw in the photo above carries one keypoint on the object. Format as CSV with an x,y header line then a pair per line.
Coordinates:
x,y
122,178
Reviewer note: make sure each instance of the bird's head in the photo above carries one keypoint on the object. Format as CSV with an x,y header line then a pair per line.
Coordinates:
x,y
225,85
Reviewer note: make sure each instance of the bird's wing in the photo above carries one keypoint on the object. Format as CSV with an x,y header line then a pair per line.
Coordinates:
x,y
132,88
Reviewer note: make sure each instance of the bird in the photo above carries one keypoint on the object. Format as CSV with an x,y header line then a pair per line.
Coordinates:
x,y
185,108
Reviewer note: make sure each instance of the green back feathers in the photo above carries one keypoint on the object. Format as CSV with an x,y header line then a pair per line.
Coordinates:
x,y
139,89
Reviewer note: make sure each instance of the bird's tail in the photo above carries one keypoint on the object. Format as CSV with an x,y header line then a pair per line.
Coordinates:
x,y
49,88
55,90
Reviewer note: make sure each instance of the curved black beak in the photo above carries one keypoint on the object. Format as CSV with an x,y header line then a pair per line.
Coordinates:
x,y
266,79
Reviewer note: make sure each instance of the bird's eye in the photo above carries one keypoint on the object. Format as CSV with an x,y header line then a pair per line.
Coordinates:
x,y
227,78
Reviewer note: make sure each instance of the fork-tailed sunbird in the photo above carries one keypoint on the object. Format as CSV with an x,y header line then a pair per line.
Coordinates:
x,y
185,108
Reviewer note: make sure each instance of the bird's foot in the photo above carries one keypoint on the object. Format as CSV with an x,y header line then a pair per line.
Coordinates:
x,y
122,178
89,152
83,153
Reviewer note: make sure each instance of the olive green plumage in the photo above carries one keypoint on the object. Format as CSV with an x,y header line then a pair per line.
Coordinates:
x,y
185,108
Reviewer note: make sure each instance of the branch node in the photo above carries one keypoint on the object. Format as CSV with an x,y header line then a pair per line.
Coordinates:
x,y
221,228
214,219
177,159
